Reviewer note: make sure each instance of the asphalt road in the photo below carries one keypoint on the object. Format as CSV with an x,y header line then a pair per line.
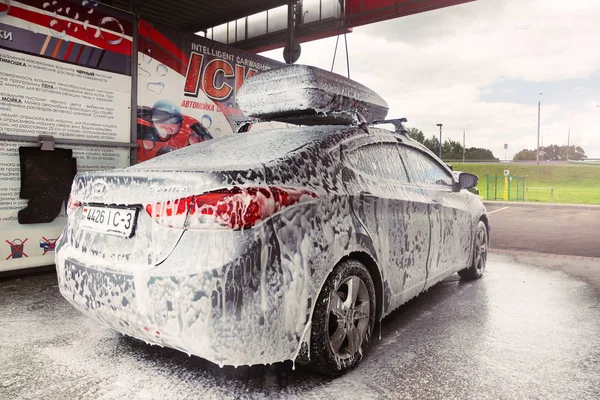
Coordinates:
x,y
527,330
546,229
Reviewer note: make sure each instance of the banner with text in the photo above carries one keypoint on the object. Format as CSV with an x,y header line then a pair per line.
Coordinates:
x,y
65,72
187,88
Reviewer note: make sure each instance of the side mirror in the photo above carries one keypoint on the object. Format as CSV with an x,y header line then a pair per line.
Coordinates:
x,y
467,180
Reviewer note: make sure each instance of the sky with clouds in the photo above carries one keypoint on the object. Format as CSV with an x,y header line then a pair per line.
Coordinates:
x,y
483,65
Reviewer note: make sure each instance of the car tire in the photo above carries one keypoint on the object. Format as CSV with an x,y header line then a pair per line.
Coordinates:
x,y
480,252
343,319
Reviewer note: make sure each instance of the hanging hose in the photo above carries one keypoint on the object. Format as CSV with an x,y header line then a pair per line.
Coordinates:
x,y
337,41
347,56
343,25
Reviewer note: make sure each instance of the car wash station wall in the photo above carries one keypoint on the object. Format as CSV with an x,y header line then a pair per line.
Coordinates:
x,y
187,88
68,72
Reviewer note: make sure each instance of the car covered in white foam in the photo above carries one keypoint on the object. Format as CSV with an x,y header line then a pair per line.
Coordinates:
x,y
285,244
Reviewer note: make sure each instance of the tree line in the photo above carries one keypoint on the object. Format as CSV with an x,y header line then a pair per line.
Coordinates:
x,y
451,149
552,153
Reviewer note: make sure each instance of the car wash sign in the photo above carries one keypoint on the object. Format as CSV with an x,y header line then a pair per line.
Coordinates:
x,y
187,88
221,76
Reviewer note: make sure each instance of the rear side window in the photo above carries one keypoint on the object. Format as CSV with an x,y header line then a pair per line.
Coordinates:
x,y
425,170
380,160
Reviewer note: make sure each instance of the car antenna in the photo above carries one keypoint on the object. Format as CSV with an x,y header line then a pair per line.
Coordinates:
x,y
361,121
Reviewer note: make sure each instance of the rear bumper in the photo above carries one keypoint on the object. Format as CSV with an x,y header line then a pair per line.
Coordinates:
x,y
241,312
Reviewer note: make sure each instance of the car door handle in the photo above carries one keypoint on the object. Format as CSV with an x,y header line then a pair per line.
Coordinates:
x,y
436,206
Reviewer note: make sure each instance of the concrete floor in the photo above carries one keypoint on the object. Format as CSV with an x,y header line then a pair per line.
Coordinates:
x,y
527,330
543,228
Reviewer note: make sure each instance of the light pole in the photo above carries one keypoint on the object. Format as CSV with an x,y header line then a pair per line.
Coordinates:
x,y
464,144
537,154
440,125
569,143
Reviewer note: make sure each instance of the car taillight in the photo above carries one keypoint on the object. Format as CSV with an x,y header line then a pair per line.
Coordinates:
x,y
172,213
235,208
72,205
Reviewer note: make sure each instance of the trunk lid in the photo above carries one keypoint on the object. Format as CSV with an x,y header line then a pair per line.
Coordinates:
x,y
151,242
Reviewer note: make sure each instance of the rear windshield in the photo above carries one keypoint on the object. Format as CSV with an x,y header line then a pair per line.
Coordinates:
x,y
239,150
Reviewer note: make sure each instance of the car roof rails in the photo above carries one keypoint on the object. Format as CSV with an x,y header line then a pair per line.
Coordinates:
x,y
398,125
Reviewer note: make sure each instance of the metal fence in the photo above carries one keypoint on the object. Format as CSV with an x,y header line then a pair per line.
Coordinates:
x,y
507,188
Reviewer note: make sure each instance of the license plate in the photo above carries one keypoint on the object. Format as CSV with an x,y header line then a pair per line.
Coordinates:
x,y
109,220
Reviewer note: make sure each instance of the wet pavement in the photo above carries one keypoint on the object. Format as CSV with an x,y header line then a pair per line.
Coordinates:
x,y
546,228
527,330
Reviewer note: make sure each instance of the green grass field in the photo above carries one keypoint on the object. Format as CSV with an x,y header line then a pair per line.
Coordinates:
x,y
572,183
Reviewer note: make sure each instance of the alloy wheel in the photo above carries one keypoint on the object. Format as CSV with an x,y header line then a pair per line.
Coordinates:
x,y
481,249
349,314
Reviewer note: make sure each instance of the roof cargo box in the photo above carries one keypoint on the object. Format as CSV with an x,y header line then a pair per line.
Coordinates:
x,y
305,95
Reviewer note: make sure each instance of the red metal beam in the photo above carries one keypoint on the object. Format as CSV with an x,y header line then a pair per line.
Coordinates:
x,y
363,12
